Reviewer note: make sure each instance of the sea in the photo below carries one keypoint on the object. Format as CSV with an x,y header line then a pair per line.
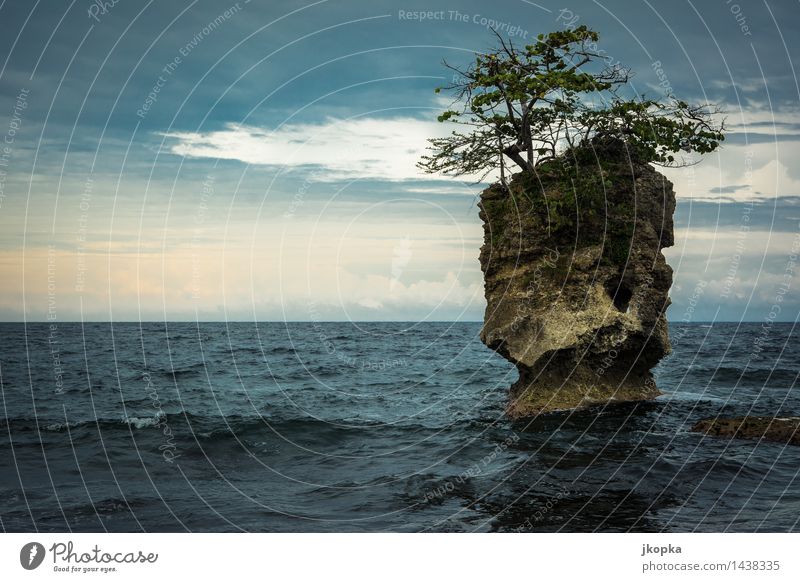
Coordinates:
x,y
376,427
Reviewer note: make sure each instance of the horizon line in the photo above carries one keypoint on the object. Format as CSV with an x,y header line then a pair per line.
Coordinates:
x,y
699,322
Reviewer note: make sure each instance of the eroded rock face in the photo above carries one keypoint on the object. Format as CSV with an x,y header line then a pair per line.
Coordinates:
x,y
575,281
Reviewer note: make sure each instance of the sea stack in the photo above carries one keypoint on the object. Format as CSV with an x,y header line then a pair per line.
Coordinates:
x,y
576,284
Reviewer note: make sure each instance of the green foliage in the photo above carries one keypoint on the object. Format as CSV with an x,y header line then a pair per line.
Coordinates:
x,y
617,243
577,201
533,103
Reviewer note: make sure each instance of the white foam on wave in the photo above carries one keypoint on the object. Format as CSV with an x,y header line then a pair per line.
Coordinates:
x,y
143,422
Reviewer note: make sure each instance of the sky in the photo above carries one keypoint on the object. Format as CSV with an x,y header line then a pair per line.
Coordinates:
x,y
182,160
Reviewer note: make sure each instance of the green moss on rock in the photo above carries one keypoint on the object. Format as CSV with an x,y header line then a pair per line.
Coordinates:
x,y
574,272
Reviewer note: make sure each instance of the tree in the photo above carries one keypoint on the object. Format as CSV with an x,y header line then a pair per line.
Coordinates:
x,y
531,105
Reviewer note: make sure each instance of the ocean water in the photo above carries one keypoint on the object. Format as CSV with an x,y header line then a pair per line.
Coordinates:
x,y
375,427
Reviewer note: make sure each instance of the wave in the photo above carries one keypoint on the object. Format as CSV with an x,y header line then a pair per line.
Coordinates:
x,y
187,372
767,377
275,350
206,426
146,421
25,424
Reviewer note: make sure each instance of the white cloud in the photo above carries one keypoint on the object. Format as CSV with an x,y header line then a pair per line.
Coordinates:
x,y
465,189
761,171
362,148
388,149
758,117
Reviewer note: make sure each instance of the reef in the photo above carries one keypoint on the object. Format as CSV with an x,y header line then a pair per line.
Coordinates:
x,y
780,430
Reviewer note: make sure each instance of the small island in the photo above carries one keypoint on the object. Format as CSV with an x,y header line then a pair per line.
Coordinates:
x,y
575,281
576,296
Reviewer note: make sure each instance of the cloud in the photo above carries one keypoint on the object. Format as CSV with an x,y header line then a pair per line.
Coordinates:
x,y
358,269
465,189
758,171
729,189
341,149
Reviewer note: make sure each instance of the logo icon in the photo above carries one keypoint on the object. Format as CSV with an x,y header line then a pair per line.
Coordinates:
x,y
31,555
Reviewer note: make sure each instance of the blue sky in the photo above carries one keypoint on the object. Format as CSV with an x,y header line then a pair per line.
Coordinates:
x,y
186,160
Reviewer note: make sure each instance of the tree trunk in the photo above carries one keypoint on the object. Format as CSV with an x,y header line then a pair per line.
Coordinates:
x,y
513,152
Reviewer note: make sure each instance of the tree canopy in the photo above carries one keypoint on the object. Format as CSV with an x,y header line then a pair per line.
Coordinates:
x,y
530,105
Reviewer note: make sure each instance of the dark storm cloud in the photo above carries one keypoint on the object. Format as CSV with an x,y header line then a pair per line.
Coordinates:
x,y
776,215
115,59
729,189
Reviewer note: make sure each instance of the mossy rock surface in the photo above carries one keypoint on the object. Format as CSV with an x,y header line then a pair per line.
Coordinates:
x,y
575,280
780,430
